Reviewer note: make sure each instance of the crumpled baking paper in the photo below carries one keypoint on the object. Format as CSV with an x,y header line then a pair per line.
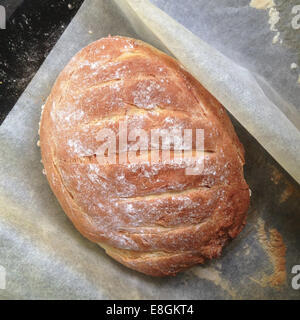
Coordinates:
x,y
45,257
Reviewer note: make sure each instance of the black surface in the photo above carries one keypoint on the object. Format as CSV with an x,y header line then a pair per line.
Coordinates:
x,y
32,29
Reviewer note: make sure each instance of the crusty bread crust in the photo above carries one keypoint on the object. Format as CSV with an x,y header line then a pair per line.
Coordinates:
x,y
151,217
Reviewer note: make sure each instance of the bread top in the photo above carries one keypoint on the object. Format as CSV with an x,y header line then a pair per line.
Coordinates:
x,y
149,208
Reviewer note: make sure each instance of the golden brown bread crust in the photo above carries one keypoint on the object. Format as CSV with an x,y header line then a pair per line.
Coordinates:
x,y
150,217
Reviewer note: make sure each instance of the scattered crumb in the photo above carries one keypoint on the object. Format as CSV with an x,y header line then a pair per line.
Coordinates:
x,y
262,4
273,18
288,191
38,143
275,248
246,250
90,31
294,65
70,6
276,175
276,38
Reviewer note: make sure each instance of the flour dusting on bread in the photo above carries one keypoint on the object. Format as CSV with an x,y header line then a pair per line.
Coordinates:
x,y
150,216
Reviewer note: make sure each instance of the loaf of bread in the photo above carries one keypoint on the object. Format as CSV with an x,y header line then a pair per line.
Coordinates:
x,y
150,216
